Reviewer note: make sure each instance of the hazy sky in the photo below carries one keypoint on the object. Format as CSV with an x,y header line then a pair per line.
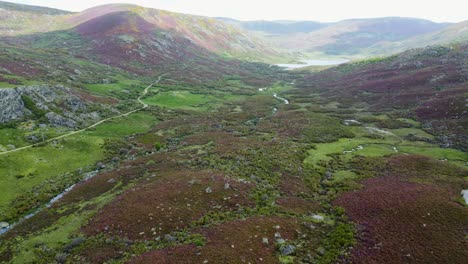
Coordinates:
x,y
323,10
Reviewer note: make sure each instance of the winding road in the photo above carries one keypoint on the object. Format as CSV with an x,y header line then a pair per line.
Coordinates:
x,y
144,105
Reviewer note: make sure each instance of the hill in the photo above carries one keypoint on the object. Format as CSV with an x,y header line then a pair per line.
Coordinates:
x,y
210,34
351,37
456,33
427,84
276,27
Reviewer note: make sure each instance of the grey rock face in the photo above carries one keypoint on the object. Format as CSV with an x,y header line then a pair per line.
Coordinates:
x,y
57,120
11,105
72,109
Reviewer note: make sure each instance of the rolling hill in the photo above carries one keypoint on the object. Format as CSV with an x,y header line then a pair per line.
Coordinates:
x,y
210,34
351,37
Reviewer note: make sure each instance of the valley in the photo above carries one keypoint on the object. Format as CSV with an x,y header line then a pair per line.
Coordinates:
x,y
137,135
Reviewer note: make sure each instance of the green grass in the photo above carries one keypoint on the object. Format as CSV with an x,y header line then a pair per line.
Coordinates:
x,y
132,124
22,171
435,152
382,147
59,234
372,147
42,163
181,100
402,132
11,136
344,175
112,89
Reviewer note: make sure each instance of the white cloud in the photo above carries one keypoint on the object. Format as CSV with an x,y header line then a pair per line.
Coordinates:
x,y
324,10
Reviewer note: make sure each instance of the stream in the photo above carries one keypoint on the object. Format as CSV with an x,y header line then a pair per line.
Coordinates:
x,y
6,227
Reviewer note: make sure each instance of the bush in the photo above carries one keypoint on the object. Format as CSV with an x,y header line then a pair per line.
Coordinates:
x,y
158,146
31,105
327,134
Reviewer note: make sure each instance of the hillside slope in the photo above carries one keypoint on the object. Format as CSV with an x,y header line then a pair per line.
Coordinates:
x,y
350,37
456,33
429,85
210,34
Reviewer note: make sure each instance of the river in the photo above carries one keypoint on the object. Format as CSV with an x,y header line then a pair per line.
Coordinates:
x,y
306,63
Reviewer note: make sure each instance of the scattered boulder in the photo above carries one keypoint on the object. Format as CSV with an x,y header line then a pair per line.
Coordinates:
x,y
287,250
100,166
170,238
4,225
75,243
61,258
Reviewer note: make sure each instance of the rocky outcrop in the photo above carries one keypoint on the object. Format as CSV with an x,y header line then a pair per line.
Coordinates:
x,y
11,105
60,121
58,105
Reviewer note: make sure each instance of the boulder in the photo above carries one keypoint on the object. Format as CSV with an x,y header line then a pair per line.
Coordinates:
x,y
287,250
4,225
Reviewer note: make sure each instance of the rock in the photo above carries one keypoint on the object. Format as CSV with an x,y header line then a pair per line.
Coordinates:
x,y
264,197
4,225
227,186
318,217
265,240
321,251
208,190
277,235
170,238
280,241
111,180
33,138
328,174
287,250
100,166
61,258
123,151
60,121
75,243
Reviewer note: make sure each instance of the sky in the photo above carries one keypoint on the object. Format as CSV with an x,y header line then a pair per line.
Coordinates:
x,y
323,11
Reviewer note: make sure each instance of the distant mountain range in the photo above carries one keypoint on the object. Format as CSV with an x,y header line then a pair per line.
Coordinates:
x,y
358,37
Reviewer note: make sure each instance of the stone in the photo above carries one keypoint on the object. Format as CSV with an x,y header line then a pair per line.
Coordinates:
x,y
227,186
265,240
208,190
60,121
280,241
318,217
75,243
170,238
277,235
287,250
4,225
61,258
321,251
100,166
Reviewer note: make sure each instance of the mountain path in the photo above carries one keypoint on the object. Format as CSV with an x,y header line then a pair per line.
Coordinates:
x,y
139,99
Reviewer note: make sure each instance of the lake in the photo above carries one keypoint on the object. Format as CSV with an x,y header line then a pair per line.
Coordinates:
x,y
306,63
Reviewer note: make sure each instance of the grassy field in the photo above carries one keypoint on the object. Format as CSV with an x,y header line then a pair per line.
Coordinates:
x,y
388,145
24,171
